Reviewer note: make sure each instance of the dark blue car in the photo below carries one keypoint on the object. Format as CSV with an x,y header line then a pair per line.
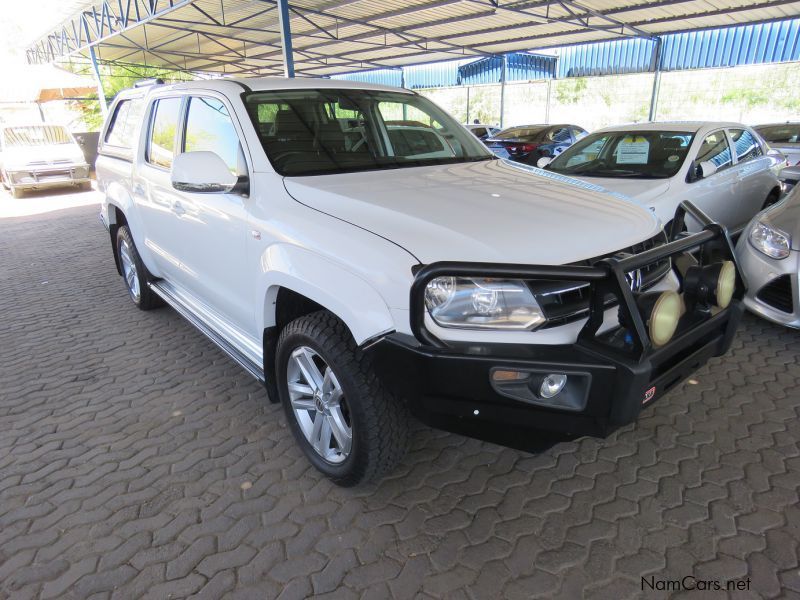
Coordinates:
x,y
529,143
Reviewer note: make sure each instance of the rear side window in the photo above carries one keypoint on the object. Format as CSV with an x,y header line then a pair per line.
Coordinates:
x,y
747,148
123,124
209,127
161,144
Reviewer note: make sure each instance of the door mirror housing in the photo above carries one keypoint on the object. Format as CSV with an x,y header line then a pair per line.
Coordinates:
x,y
544,161
707,169
205,173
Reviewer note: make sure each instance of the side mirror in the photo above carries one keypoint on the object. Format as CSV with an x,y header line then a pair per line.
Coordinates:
x,y
202,172
707,169
544,161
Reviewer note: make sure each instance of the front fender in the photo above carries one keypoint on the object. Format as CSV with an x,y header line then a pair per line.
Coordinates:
x,y
346,294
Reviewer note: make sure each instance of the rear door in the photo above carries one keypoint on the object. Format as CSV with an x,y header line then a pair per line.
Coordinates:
x,y
156,199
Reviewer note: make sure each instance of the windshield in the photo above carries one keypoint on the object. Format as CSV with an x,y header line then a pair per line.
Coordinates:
x,y
36,135
781,134
634,154
314,132
526,133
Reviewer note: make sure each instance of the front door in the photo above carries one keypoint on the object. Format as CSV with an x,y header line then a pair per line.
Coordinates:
x,y
714,194
211,228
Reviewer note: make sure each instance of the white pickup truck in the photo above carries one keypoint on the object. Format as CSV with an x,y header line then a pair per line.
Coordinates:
x,y
363,255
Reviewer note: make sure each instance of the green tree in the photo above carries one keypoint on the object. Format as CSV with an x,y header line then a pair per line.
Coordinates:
x,y
115,79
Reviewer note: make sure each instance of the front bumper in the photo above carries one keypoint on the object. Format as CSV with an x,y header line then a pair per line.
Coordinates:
x,y
49,177
450,385
773,286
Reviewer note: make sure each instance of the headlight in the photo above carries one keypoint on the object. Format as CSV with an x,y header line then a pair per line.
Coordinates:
x,y
769,241
473,303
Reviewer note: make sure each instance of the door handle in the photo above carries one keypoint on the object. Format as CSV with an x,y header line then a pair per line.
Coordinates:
x,y
178,209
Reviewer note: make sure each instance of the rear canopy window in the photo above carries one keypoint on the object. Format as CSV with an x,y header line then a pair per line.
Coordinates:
x,y
781,134
314,132
36,135
123,123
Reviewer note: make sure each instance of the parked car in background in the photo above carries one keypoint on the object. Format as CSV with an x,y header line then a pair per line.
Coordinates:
x,y
723,168
789,176
769,256
529,143
481,131
362,269
40,156
783,137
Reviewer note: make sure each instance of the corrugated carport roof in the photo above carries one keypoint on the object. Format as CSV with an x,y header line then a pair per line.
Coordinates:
x,y
329,37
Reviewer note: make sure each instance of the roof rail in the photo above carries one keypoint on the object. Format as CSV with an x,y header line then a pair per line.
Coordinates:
x,y
148,82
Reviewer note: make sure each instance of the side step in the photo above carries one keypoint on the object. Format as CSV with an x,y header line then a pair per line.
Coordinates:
x,y
206,329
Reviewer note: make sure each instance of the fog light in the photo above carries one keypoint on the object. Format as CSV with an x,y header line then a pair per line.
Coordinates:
x,y
552,385
664,317
712,284
726,284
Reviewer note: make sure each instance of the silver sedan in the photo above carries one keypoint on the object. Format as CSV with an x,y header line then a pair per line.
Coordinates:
x,y
769,257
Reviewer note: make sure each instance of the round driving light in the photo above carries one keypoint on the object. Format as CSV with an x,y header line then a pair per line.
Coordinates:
x,y
664,318
726,284
552,385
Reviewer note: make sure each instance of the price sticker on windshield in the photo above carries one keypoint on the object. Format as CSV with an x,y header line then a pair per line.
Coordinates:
x,y
633,150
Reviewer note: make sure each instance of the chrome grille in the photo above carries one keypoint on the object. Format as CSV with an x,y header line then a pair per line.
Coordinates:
x,y
563,303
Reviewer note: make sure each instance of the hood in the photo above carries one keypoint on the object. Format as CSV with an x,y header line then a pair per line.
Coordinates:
x,y
785,216
21,156
641,191
487,211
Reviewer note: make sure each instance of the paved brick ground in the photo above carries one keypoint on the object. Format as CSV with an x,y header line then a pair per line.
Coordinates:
x,y
138,461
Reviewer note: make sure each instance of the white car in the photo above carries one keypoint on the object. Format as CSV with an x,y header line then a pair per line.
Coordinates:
x,y
481,131
783,137
41,156
363,267
723,168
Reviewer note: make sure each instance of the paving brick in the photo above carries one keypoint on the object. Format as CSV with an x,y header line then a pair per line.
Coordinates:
x,y
125,439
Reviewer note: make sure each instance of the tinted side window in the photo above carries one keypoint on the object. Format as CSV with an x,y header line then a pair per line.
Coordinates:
x,y
209,127
161,145
123,124
479,131
715,148
747,148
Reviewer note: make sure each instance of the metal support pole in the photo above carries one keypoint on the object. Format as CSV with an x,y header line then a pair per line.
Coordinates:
x,y
403,85
502,90
286,38
547,103
656,79
467,121
101,95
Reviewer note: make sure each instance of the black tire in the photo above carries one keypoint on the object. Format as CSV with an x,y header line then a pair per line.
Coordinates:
x,y
379,422
772,198
146,299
